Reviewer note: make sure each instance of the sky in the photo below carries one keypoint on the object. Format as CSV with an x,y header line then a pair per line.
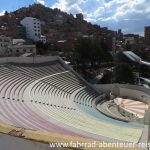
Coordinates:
x,y
129,15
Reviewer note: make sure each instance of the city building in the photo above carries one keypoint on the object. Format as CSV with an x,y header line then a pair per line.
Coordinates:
x,y
80,16
120,34
4,43
147,35
18,41
12,47
113,45
135,36
129,40
134,40
21,49
33,29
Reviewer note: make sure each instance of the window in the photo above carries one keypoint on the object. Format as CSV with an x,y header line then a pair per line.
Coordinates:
x,y
6,40
17,51
24,50
30,50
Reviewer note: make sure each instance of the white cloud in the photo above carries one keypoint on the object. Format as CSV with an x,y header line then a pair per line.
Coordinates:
x,y
100,9
110,13
70,6
41,2
124,8
2,13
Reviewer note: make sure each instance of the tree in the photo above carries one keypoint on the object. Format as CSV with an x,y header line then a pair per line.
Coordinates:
x,y
83,51
91,52
6,13
107,78
42,48
123,74
128,47
22,32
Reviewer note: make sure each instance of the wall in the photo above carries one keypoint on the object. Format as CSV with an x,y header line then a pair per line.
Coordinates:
x,y
21,49
33,26
4,43
27,60
125,112
133,91
142,96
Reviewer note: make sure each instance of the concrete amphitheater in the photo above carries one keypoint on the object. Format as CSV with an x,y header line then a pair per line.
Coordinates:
x,y
44,101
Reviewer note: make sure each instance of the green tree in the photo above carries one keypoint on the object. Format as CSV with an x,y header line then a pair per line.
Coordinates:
x,y
42,48
22,32
123,73
128,47
107,78
91,52
6,13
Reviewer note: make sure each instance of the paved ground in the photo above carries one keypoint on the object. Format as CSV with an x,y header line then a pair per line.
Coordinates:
x,y
13,143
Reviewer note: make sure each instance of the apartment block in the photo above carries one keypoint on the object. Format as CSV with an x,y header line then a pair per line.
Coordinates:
x,y
33,29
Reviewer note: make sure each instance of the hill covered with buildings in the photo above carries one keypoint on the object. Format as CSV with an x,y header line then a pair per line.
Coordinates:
x,y
57,26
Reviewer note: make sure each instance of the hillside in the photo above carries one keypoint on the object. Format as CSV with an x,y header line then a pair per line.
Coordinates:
x,y
56,25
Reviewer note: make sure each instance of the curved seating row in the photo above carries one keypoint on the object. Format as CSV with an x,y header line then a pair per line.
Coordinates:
x,y
40,71
51,98
24,115
44,118
85,97
92,126
65,81
12,84
96,114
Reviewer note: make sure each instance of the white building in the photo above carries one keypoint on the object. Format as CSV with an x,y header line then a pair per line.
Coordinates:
x,y
14,50
129,40
18,41
33,29
5,42
13,47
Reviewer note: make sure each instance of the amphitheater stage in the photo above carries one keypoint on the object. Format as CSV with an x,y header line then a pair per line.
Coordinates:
x,y
133,107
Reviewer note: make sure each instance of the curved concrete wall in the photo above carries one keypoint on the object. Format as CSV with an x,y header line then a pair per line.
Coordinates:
x,y
40,59
124,112
135,94
127,90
